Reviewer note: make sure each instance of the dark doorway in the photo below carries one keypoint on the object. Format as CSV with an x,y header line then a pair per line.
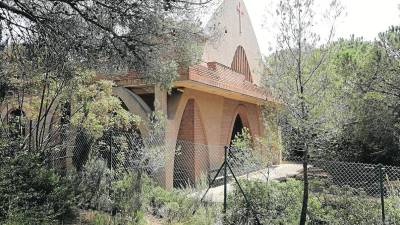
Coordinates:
x,y
237,127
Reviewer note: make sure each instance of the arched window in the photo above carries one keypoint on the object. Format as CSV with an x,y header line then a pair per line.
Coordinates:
x,y
240,63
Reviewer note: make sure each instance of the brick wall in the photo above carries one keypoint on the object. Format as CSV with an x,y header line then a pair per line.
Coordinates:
x,y
249,114
192,158
205,118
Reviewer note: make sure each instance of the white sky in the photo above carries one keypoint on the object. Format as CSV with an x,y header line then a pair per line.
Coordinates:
x,y
364,18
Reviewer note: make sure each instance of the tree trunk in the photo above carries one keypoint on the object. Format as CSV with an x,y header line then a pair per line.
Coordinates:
x,y
303,215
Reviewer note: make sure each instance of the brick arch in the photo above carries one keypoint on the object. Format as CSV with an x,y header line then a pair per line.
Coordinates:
x,y
192,160
240,111
191,102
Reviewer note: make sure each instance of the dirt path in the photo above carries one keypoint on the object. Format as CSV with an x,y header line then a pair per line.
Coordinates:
x,y
278,172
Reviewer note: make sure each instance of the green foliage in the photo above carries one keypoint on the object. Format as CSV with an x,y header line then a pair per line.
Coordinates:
x,y
107,195
124,192
271,142
30,192
99,188
364,112
94,186
280,203
110,39
177,207
101,218
243,140
95,108
356,116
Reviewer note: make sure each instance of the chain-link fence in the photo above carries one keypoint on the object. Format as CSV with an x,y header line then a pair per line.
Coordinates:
x,y
340,192
122,151
188,164
369,191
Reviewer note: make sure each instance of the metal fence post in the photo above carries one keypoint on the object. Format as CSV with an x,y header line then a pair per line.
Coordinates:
x,y
110,142
225,178
382,191
110,193
30,135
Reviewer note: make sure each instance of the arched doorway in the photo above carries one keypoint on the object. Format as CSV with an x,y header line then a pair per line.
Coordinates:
x,y
237,127
191,157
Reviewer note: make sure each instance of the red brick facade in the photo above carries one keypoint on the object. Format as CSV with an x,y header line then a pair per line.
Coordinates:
x,y
192,159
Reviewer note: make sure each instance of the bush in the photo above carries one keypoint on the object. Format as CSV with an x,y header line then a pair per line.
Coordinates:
x,y
30,193
94,186
280,203
112,199
102,218
177,207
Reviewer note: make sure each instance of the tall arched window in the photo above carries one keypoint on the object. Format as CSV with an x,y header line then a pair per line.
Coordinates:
x,y
240,63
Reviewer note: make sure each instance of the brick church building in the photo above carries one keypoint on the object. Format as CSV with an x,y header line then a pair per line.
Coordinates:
x,y
211,101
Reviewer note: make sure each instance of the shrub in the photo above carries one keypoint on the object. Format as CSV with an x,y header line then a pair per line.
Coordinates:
x,y
276,202
177,207
112,199
280,203
94,186
102,218
31,193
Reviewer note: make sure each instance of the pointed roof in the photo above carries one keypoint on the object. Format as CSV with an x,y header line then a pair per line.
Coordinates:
x,y
230,27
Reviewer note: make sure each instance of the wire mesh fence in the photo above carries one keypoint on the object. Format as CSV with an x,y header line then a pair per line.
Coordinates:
x,y
340,192
124,151
370,191
191,163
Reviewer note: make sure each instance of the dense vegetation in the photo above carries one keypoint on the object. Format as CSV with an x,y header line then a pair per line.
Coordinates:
x,y
30,192
51,54
281,204
357,117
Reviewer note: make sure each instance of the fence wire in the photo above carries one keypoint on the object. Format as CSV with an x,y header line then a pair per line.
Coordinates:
x,y
370,190
341,189
124,151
